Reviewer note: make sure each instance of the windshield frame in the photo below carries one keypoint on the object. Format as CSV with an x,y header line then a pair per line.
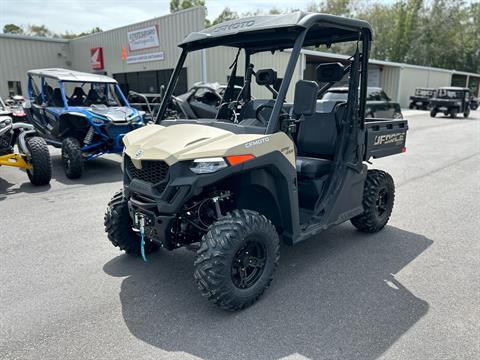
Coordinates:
x,y
111,90
364,37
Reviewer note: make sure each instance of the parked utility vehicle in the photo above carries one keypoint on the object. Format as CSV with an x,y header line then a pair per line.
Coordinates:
x,y
85,114
200,102
265,169
16,104
421,99
451,101
32,155
378,104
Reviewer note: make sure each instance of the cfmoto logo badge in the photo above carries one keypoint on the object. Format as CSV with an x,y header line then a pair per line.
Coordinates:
x,y
138,153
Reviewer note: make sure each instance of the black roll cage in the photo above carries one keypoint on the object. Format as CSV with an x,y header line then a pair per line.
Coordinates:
x,y
363,36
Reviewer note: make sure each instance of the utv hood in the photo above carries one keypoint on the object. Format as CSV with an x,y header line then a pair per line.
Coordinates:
x,y
115,114
192,141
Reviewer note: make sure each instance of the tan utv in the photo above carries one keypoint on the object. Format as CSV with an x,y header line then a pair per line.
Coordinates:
x,y
265,169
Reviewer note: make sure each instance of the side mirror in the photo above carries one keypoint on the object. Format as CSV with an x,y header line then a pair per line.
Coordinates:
x,y
305,101
330,72
266,77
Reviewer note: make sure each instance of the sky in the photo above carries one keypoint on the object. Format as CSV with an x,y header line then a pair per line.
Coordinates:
x,y
76,16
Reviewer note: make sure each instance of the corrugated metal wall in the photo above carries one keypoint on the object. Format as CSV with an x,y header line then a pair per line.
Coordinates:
x,y
439,78
17,55
389,77
172,30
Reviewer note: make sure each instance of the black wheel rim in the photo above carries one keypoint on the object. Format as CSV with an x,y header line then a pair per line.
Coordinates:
x,y
248,264
381,206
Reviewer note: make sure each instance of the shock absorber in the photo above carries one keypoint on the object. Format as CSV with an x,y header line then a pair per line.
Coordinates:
x,y
89,137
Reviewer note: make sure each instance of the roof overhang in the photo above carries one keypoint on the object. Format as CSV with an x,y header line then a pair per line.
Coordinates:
x,y
71,75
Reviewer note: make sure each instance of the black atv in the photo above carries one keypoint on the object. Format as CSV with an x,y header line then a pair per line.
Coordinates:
x,y
451,101
421,99
264,170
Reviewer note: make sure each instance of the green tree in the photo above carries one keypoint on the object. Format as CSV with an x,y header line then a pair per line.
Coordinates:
x,y
39,30
379,16
225,15
68,35
334,7
12,29
177,5
406,21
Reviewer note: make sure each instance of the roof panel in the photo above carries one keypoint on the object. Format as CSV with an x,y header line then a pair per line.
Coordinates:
x,y
277,31
71,75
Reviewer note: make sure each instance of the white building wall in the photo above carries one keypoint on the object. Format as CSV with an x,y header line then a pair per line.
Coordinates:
x,y
19,54
412,78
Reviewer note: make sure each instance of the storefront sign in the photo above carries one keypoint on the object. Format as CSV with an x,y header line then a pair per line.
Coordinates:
x,y
155,56
96,58
145,38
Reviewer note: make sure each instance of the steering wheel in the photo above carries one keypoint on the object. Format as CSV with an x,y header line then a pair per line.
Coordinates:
x,y
231,114
259,116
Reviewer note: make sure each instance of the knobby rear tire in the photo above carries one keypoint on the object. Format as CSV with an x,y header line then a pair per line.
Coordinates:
x,y
371,220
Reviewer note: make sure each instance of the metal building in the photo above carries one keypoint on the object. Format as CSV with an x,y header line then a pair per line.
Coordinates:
x,y
141,57
21,53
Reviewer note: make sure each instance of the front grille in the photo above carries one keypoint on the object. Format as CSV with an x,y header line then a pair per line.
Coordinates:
x,y
152,171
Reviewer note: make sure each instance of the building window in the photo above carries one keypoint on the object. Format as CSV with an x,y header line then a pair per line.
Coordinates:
x,y
14,88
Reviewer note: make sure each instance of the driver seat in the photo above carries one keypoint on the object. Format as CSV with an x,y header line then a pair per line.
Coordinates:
x,y
316,143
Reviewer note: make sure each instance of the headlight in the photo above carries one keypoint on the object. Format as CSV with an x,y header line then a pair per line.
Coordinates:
x,y
458,103
97,121
208,165
136,117
397,115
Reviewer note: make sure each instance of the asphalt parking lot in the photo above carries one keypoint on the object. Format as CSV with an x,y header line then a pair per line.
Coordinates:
x,y
411,291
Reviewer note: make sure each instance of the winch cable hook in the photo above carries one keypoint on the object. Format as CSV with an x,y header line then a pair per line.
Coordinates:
x,y
142,236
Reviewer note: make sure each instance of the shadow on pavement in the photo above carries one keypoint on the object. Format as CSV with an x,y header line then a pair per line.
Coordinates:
x,y
334,297
96,171
7,188
458,117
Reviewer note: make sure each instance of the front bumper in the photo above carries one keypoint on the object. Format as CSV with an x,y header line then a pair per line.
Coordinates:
x,y
161,203
444,104
114,133
419,100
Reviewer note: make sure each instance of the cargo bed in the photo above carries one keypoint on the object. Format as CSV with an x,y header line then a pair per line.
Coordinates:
x,y
384,137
